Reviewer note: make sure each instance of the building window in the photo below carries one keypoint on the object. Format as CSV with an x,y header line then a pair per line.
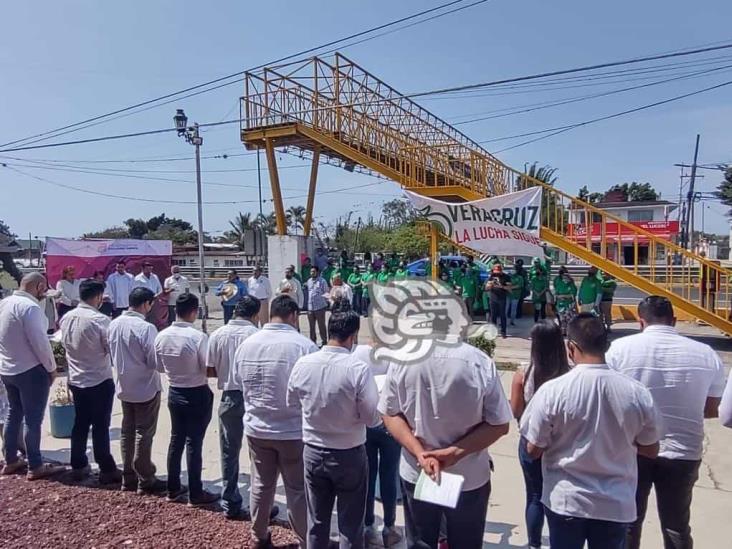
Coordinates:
x,y
233,263
640,215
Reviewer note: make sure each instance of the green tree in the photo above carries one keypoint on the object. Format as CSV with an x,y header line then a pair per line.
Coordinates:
x,y
240,225
724,189
586,196
5,229
551,208
108,233
398,212
296,218
6,259
636,192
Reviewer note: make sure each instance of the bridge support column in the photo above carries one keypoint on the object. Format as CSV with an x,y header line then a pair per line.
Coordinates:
x,y
274,180
434,240
311,191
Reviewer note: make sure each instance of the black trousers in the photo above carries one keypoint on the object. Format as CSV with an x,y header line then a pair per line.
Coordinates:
x,y
190,413
674,481
465,524
498,311
93,408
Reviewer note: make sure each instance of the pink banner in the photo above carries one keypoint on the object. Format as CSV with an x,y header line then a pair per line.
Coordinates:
x,y
89,256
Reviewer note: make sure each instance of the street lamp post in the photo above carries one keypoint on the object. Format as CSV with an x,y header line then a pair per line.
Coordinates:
x,y
192,136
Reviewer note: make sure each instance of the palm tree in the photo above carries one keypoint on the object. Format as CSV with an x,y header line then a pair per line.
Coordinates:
x,y
551,207
296,217
239,226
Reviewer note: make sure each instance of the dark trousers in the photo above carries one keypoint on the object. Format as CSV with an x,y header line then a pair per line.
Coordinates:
x,y
464,524
228,312
331,474
27,397
171,314
231,432
539,311
93,407
520,306
572,532
139,423
674,481
319,318
383,452
534,480
356,302
365,303
469,306
106,308
498,311
190,413
62,309
118,311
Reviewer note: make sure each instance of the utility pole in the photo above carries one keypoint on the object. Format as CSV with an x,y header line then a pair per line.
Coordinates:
x,y
689,239
259,180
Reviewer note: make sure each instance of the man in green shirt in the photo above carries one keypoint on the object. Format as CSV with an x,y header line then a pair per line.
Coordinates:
x,y
515,295
384,276
367,278
393,263
590,291
355,281
401,273
305,270
468,288
343,269
608,285
328,273
539,285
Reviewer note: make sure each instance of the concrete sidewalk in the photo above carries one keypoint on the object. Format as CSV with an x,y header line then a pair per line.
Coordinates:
x,y
505,522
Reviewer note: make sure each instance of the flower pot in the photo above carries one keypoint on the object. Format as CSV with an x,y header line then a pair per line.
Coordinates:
x,y
62,418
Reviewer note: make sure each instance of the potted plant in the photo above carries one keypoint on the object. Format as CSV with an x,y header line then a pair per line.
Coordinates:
x,y
59,355
61,411
484,338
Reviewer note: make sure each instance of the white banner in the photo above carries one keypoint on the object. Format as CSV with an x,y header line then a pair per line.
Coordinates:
x,y
503,225
102,248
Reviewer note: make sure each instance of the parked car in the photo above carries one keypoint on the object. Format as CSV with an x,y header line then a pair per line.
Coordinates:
x,y
419,267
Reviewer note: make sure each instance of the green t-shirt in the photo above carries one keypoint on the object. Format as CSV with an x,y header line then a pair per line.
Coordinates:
x,y
469,285
355,281
609,285
305,272
392,264
562,287
328,273
383,278
345,273
401,274
517,286
589,290
538,283
366,279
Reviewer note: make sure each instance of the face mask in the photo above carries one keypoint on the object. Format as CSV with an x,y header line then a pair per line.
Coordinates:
x,y
288,276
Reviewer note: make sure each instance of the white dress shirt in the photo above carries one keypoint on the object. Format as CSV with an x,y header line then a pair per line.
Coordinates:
x,y
68,292
179,285
84,336
23,340
680,373
725,407
259,287
181,350
293,288
263,363
377,367
442,398
588,421
119,287
152,283
338,397
132,346
222,346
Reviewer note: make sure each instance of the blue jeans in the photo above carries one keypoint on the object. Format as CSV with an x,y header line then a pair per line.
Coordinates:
x,y
383,453
228,312
27,396
231,432
511,308
190,413
572,532
534,508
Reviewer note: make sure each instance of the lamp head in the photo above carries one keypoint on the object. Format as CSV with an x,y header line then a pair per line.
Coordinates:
x,y
181,121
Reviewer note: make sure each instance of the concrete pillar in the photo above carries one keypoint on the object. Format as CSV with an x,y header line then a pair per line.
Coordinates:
x,y
284,251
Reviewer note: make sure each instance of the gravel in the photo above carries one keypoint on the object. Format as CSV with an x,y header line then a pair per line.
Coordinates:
x,y
56,513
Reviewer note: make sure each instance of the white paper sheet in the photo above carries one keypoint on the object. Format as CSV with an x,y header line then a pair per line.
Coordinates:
x,y
446,493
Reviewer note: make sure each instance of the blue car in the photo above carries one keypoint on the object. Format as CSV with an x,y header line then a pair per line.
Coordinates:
x,y
419,267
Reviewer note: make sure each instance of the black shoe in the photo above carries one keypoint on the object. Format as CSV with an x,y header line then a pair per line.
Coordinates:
x,y
110,477
241,514
157,486
129,487
204,498
176,495
274,512
80,474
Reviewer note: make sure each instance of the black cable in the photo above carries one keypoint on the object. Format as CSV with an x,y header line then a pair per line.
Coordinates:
x,y
240,73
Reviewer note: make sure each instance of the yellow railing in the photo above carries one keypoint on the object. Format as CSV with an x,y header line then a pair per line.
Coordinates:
x,y
355,117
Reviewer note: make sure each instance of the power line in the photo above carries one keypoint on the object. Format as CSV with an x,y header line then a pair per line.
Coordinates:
x,y
562,129
47,134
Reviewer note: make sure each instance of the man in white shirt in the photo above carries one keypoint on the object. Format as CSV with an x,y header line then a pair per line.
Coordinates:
x,y
27,368
84,336
181,351
445,411
175,285
273,428
258,286
148,279
67,291
589,426
340,290
222,346
119,285
338,397
291,286
132,347
686,379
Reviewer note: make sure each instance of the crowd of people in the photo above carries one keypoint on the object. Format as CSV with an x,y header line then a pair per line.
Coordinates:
x,y
601,425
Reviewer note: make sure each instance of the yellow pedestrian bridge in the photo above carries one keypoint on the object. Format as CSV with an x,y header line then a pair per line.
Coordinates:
x,y
335,109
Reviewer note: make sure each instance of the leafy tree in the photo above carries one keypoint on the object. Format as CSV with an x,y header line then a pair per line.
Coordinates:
x,y
724,189
154,223
296,218
136,228
586,196
398,212
110,232
5,229
636,192
6,258
549,206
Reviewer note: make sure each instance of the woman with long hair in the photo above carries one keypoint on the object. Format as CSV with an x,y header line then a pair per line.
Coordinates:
x,y
548,361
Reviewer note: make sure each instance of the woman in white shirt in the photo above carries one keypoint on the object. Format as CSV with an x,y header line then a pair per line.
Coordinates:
x,y
68,288
548,360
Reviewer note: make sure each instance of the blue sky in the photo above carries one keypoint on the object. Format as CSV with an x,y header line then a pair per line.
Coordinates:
x,y
62,62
